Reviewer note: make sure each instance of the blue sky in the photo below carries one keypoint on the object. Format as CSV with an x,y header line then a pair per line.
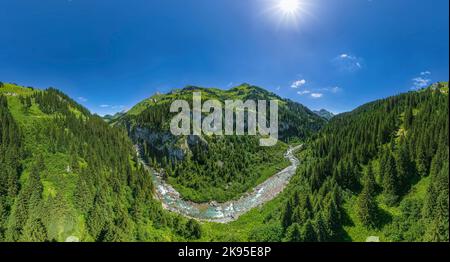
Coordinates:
x,y
333,54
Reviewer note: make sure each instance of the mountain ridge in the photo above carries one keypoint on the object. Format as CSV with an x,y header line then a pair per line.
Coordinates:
x,y
324,113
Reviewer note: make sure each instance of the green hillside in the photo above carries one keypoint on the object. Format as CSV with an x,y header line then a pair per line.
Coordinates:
x,y
111,118
210,167
67,175
379,172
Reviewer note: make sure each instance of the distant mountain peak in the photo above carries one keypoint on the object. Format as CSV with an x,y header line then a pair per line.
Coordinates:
x,y
324,113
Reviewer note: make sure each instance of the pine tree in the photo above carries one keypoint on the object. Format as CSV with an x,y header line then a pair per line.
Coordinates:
x,y
35,231
293,233
307,233
332,219
193,230
97,218
320,229
390,181
435,210
367,209
422,161
286,219
18,218
405,168
369,181
409,118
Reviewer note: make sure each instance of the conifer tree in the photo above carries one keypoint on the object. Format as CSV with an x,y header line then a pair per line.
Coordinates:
x,y
35,231
293,233
390,180
307,233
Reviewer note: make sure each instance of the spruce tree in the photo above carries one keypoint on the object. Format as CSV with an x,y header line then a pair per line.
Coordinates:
x,y
367,209
390,181
293,233
286,219
307,233
193,229
35,231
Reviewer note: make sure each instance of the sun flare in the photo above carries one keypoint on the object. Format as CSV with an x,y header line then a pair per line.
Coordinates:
x,y
289,7
289,13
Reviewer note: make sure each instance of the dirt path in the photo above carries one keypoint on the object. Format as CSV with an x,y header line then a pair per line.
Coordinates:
x,y
231,210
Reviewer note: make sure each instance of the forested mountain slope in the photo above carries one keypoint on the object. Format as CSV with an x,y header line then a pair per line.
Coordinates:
x,y
214,168
66,174
380,171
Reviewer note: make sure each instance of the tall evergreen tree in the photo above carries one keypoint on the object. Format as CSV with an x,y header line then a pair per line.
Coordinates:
x,y
293,233
390,180
307,232
35,231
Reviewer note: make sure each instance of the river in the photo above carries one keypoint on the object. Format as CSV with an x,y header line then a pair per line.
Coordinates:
x,y
231,210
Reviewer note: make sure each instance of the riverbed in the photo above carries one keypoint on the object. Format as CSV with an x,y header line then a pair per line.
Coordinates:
x,y
228,211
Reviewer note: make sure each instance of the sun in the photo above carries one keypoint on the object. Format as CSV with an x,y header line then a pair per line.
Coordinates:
x,y
288,13
289,7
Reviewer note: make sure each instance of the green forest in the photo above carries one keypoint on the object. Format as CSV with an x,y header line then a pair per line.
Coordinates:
x,y
379,171
65,172
363,169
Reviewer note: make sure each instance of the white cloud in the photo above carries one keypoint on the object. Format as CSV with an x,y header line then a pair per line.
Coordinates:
x,y
421,81
319,92
348,63
118,107
114,107
298,83
304,92
82,99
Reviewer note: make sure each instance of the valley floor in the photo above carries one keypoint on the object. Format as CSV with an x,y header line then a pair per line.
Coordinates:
x,y
231,210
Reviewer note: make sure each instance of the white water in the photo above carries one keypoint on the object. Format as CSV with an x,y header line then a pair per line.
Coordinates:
x,y
231,210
